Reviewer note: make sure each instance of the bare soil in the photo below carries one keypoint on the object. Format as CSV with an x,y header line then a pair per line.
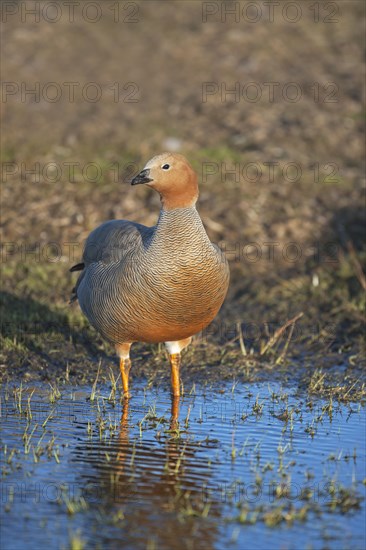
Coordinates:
x,y
282,181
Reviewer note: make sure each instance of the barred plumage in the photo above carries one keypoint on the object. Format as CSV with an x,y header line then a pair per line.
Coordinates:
x,y
154,284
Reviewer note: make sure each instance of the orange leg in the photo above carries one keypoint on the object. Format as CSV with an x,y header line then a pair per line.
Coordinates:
x,y
175,364
125,365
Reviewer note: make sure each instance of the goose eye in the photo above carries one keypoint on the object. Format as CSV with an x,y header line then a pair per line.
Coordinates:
x,y
166,167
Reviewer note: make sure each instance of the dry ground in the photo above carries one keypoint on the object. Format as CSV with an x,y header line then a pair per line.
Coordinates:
x,y
305,221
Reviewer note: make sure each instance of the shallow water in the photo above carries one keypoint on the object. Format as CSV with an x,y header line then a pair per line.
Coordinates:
x,y
242,466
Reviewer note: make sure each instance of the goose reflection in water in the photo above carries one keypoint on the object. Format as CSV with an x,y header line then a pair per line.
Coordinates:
x,y
154,484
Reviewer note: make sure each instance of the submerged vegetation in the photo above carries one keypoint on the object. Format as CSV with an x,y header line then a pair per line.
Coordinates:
x,y
238,456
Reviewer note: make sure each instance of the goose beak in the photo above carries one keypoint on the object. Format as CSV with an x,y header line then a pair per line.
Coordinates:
x,y
142,177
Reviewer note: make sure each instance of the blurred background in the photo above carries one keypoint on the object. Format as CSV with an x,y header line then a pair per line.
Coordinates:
x,y
264,99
